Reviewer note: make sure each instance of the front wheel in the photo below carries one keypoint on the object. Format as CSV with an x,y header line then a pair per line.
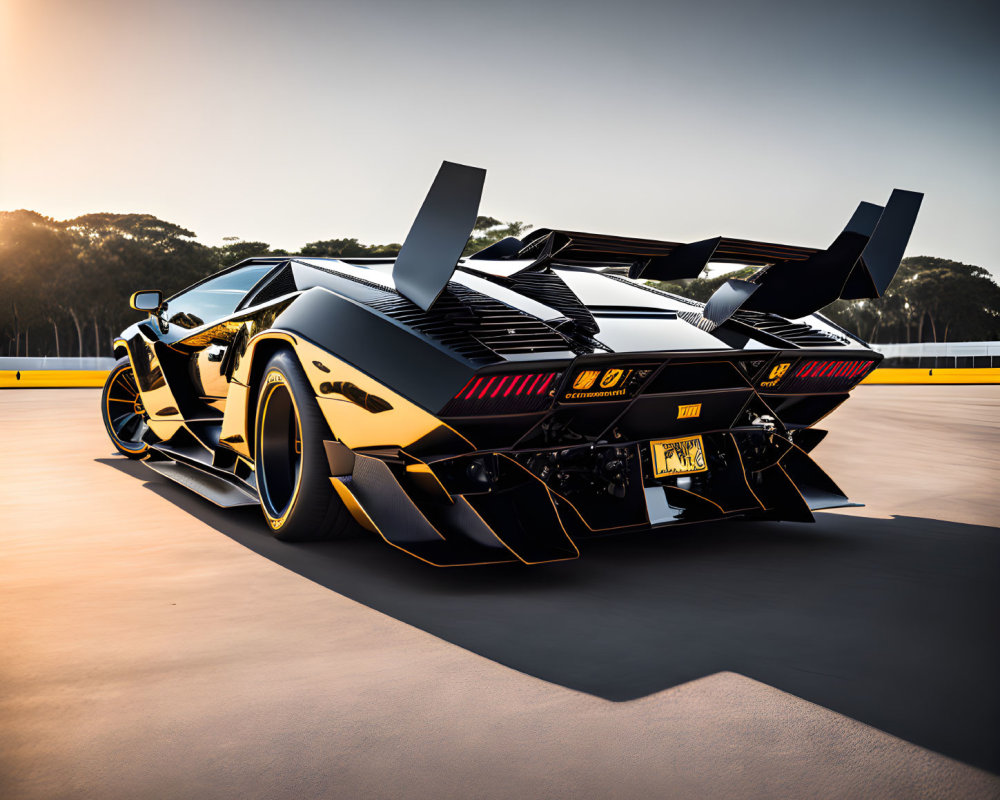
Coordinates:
x,y
293,475
124,415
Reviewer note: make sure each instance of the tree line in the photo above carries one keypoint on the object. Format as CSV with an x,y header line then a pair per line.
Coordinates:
x,y
65,284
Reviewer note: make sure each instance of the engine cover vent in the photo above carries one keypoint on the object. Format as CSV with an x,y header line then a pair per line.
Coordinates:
x,y
797,333
549,289
473,324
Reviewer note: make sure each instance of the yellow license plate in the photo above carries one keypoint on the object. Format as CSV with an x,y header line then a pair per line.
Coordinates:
x,y
678,456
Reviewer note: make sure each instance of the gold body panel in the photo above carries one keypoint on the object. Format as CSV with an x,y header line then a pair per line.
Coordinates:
x,y
164,415
399,426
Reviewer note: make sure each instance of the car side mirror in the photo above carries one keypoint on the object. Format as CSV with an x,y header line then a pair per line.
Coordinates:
x,y
147,300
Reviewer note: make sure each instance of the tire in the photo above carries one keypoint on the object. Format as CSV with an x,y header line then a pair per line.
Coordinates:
x,y
123,412
293,475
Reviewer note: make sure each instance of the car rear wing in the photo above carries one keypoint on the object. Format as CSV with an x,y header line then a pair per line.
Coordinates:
x,y
649,259
793,282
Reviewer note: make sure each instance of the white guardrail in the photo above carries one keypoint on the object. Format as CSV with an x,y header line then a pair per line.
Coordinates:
x,y
938,362
965,354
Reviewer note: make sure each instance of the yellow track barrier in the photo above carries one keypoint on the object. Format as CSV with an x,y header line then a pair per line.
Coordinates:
x,y
52,378
891,375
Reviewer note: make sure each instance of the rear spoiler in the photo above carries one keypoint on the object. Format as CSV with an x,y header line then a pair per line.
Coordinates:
x,y
648,259
794,281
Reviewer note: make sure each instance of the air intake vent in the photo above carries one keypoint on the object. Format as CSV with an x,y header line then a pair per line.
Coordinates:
x,y
695,318
281,284
796,333
779,330
474,325
549,289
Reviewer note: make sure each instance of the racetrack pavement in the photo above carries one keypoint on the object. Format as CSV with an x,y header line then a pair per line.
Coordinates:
x,y
156,646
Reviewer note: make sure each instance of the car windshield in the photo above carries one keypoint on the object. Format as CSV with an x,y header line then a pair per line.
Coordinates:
x,y
215,298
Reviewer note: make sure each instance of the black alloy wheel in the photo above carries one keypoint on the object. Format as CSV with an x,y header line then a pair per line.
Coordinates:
x,y
123,412
293,474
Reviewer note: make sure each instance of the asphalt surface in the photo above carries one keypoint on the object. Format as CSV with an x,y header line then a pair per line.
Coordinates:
x,y
157,646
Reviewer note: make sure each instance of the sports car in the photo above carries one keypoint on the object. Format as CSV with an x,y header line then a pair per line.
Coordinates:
x,y
506,405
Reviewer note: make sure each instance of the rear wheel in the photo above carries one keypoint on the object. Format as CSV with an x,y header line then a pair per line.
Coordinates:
x,y
293,475
123,412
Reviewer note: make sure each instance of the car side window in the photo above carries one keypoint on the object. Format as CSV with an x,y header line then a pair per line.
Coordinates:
x,y
215,298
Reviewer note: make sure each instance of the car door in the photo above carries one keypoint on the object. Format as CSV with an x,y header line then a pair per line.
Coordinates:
x,y
198,323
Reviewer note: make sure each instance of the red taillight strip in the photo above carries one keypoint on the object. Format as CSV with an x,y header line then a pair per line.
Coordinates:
x,y
499,393
853,369
489,387
513,383
834,369
548,380
486,388
473,390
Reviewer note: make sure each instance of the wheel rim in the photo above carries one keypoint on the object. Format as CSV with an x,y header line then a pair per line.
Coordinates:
x,y
124,411
280,461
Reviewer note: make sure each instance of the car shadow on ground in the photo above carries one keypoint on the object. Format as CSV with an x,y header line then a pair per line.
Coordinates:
x,y
892,622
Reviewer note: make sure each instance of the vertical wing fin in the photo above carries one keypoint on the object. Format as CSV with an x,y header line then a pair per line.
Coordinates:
x,y
439,233
859,264
881,257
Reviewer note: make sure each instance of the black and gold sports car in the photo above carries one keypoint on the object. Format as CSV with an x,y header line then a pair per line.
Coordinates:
x,y
503,406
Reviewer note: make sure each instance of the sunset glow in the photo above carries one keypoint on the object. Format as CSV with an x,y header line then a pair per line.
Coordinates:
x,y
296,121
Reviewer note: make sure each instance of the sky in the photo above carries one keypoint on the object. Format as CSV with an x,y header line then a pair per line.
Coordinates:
x,y
302,120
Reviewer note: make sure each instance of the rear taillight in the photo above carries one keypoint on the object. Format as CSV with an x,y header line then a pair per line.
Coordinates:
x,y
510,393
823,375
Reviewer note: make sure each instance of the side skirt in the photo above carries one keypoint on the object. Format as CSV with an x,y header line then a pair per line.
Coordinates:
x,y
226,493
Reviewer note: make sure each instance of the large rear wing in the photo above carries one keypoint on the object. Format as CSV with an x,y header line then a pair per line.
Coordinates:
x,y
794,281
650,259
